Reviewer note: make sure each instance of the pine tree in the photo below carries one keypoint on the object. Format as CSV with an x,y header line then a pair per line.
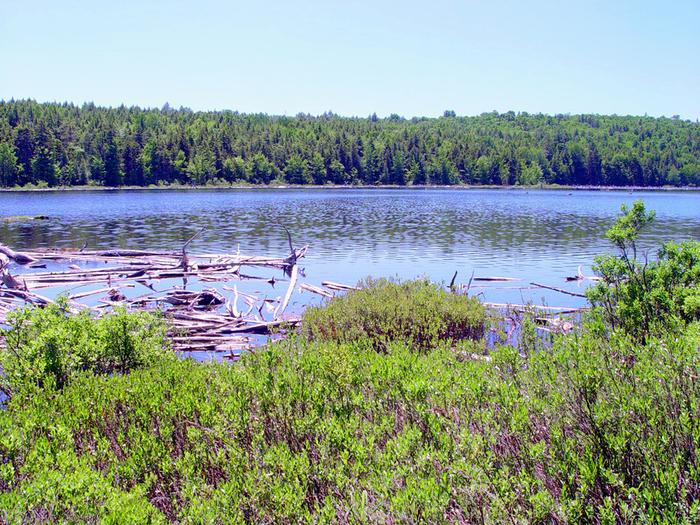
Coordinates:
x,y
43,167
8,165
113,175
317,169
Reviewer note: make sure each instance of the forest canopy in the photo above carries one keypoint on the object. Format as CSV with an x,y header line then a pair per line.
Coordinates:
x,y
52,144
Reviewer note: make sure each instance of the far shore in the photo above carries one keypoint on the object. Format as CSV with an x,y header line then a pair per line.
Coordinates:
x,y
462,187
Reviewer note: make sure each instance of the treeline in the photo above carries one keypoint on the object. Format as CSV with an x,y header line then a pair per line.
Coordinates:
x,y
63,144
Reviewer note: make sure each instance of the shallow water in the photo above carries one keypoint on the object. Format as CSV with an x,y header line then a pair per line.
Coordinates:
x,y
541,236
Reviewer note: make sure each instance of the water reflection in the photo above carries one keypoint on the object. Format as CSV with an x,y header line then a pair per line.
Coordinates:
x,y
536,235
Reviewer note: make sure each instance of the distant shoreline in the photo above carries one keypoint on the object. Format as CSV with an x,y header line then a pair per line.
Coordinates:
x,y
462,187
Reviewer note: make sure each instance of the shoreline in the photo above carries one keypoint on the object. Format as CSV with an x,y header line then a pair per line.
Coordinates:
x,y
460,187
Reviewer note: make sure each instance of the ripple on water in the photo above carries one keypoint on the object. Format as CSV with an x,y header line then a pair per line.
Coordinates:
x,y
536,235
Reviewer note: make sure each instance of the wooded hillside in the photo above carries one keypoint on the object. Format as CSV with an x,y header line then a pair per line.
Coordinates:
x,y
63,144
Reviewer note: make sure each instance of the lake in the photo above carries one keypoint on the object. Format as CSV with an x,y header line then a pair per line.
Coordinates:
x,y
533,235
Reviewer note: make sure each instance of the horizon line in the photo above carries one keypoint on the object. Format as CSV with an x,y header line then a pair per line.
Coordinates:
x,y
330,113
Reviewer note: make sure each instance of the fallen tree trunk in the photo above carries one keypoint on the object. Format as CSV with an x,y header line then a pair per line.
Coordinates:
x,y
19,258
338,287
574,294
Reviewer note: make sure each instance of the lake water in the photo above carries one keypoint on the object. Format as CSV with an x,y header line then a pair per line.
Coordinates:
x,y
541,236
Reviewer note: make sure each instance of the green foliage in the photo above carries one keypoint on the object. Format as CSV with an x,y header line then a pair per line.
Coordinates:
x,y
640,296
297,170
8,165
618,416
201,169
593,430
46,347
64,144
381,311
600,426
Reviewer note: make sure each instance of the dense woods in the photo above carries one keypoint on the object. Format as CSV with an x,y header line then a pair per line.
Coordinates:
x,y
63,145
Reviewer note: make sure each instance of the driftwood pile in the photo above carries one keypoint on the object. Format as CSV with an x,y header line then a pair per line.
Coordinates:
x,y
210,315
198,293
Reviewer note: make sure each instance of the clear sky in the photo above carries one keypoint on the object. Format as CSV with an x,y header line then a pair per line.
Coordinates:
x,y
357,57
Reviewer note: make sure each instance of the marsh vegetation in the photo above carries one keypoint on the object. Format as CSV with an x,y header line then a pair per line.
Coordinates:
x,y
365,417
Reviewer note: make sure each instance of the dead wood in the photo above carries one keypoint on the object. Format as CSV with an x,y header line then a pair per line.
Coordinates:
x,y
197,319
294,274
315,289
18,257
534,307
495,279
338,287
574,294
266,327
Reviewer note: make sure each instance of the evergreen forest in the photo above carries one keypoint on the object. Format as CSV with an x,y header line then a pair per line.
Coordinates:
x,y
61,144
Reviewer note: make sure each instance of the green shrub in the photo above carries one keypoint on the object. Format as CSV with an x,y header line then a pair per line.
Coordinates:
x,y
600,427
417,311
49,345
643,296
594,430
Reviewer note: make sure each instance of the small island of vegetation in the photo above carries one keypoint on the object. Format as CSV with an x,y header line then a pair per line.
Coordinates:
x,y
61,145
386,406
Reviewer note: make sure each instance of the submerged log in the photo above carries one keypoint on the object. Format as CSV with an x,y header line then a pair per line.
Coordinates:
x,y
499,279
265,327
315,289
560,290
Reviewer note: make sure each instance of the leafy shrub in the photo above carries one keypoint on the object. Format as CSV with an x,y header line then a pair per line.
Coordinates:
x,y
639,296
381,310
594,430
601,427
48,345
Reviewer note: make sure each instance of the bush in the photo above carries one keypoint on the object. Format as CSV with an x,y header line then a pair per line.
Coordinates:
x,y
600,427
641,297
47,346
418,312
591,431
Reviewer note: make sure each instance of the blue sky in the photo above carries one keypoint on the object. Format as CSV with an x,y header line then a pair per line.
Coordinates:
x,y
358,57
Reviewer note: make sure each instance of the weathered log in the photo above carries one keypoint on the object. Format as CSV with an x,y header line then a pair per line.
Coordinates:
x,y
338,287
315,289
18,257
292,282
27,296
7,279
574,294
